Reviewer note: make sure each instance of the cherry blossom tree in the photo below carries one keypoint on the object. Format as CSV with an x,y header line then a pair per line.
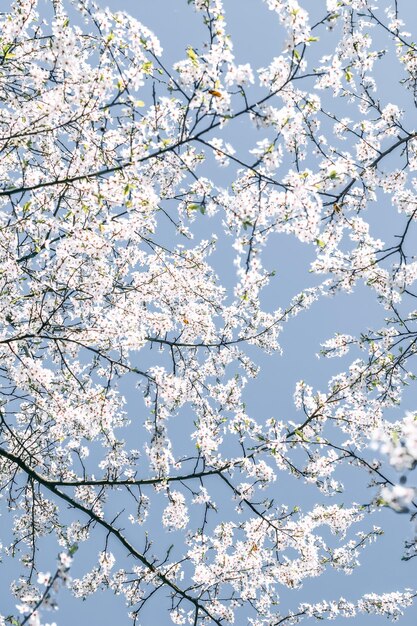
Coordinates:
x,y
133,310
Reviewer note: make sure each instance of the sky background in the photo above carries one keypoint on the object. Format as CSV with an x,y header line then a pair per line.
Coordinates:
x,y
257,39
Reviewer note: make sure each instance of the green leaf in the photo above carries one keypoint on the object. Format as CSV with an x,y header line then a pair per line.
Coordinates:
x,y
300,434
197,207
192,56
147,67
6,52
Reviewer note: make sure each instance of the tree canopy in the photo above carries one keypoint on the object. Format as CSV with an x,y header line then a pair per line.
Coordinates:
x,y
141,205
